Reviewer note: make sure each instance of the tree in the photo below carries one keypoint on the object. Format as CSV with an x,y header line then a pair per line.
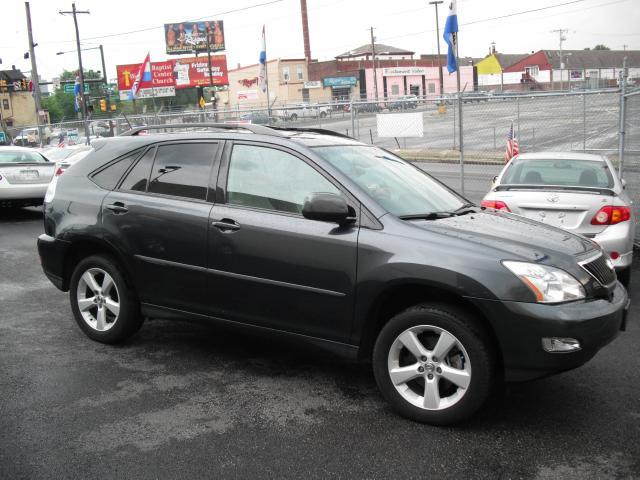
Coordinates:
x,y
601,47
70,76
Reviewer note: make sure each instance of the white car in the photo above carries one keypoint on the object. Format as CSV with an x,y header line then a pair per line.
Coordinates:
x,y
574,191
302,111
24,176
31,137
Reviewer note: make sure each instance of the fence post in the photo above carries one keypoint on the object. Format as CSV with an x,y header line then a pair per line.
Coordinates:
x,y
353,124
460,127
518,117
623,104
584,122
454,129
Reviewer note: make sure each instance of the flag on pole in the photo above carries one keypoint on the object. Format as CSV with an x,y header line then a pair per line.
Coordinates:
x,y
450,36
512,145
143,75
262,77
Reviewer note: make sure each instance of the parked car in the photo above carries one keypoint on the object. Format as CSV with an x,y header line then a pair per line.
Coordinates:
x,y
319,238
259,118
24,176
77,154
580,193
303,111
30,137
404,102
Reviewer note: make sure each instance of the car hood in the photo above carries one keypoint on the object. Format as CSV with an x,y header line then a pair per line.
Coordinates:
x,y
511,234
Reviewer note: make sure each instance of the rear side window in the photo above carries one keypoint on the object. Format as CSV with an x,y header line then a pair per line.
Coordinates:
x,y
138,177
182,170
109,177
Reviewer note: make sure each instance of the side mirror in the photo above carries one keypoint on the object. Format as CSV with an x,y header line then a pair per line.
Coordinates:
x,y
494,179
327,207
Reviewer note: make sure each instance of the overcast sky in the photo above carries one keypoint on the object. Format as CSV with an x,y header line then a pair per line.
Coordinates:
x,y
335,26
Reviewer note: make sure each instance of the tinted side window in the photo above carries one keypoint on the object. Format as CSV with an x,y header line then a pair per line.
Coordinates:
x,y
138,177
267,178
183,170
109,177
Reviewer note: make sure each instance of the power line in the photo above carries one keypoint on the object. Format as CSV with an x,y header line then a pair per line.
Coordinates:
x,y
248,7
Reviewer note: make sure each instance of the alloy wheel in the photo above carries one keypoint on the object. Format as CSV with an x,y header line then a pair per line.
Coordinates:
x,y
98,299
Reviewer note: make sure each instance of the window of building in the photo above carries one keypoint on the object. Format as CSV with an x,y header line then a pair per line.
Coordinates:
x,y
5,104
182,170
395,89
533,70
286,76
263,177
300,72
432,88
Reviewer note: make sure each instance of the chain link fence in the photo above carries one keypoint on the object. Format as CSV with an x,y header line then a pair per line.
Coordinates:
x,y
586,121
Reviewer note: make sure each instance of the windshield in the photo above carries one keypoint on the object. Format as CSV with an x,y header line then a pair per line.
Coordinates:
x,y
399,187
21,156
570,173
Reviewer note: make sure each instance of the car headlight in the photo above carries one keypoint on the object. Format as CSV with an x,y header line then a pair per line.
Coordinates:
x,y
548,284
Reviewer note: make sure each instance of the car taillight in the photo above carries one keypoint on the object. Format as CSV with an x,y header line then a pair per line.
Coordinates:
x,y
610,215
496,204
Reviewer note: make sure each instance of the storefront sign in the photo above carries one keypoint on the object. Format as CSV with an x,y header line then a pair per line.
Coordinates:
x,y
248,82
404,71
313,84
334,82
247,94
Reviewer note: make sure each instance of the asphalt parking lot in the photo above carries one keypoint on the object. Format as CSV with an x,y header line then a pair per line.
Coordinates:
x,y
191,401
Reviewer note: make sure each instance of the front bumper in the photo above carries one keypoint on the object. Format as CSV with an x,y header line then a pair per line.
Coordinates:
x,y
53,253
520,328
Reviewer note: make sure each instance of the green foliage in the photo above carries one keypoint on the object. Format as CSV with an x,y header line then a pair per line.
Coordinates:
x,y
60,105
70,76
601,47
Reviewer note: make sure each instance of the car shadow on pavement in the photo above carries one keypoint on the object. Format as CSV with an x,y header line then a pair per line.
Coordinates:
x,y
20,214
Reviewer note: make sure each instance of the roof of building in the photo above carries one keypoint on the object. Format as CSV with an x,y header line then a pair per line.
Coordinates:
x,y
11,75
594,58
380,50
508,59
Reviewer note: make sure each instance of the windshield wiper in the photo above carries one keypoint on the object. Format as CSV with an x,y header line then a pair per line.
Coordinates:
x,y
465,209
427,216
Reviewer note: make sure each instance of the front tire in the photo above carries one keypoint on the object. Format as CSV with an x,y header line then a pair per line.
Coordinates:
x,y
434,364
624,276
104,305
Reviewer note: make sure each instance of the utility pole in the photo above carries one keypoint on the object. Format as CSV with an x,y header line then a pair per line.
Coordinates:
x,y
375,71
436,3
104,78
561,33
75,14
35,81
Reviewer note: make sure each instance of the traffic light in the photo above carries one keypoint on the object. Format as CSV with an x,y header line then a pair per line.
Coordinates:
x,y
103,105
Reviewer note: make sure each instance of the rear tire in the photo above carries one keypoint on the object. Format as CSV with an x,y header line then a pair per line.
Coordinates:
x,y
104,304
423,388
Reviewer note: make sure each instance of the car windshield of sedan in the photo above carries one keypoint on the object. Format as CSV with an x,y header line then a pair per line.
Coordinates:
x,y
558,172
21,156
400,188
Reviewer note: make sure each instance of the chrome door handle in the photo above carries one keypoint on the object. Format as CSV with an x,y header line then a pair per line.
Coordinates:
x,y
227,225
117,207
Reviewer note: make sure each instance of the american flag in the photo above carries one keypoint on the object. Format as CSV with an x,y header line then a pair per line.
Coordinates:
x,y
512,145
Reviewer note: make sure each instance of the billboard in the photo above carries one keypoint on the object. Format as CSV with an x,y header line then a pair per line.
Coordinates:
x,y
194,71
190,37
162,82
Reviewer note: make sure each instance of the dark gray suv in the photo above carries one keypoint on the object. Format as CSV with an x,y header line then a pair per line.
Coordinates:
x,y
315,236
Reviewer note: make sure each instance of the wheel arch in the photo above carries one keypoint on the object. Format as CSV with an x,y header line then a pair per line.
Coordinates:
x,y
85,247
398,297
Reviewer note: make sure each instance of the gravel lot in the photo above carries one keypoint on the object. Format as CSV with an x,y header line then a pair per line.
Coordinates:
x,y
191,401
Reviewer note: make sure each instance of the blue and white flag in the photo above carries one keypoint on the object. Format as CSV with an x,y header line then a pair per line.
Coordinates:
x,y
262,77
450,36
143,75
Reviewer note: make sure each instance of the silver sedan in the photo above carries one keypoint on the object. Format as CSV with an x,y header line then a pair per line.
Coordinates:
x,y
577,192
24,176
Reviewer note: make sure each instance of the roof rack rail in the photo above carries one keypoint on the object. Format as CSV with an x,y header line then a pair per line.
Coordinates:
x,y
322,131
257,129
